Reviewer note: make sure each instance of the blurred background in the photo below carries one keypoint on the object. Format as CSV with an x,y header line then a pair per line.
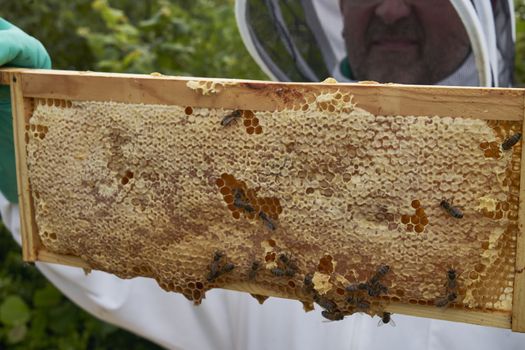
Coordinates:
x,y
177,37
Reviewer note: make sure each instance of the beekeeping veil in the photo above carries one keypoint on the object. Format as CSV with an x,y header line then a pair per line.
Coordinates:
x,y
300,40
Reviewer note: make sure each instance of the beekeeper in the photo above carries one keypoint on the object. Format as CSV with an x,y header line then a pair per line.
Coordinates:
x,y
456,42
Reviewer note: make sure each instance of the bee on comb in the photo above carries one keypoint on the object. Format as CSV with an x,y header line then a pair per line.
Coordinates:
x,y
230,118
511,141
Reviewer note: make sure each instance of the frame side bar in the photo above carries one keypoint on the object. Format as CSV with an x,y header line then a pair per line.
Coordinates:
x,y
518,300
21,109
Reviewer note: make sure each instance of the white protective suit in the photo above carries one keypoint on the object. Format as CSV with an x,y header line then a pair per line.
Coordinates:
x,y
231,320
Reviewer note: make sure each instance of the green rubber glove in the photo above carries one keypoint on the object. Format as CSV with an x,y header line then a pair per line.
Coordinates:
x,y
17,49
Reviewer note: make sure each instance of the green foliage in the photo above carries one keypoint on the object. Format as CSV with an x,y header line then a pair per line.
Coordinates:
x,y
520,43
197,38
35,315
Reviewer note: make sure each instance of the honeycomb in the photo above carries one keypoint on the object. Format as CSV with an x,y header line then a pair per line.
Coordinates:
x,y
319,201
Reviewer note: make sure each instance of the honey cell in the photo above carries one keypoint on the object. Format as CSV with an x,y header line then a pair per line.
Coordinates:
x,y
325,265
270,257
248,114
196,295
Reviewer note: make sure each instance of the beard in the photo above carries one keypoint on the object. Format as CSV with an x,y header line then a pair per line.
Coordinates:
x,y
391,53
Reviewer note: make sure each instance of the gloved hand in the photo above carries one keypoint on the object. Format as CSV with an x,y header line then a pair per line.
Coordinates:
x,y
17,49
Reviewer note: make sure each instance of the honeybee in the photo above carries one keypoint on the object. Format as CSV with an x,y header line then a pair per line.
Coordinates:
x,y
291,268
362,304
325,303
356,287
227,268
276,271
446,300
453,211
214,267
289,272
386,318
352,287
380,273
215,271
285,259
308,280
359,303
267,221
240,202
308,285
217,256
451,283
376,289
511,141
256,265
335,315
228,119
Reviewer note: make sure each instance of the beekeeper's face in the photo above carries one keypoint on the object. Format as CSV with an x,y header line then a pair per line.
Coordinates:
x,y
403,41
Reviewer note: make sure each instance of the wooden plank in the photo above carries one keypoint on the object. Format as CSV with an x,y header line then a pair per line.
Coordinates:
x,y
484,103
5,76
518,300
69,260
492,319
21,109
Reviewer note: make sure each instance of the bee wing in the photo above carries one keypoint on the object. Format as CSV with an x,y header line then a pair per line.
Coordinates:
x,y
380,323
392,323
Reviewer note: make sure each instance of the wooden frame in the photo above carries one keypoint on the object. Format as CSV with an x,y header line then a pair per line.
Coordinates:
x,y
484,103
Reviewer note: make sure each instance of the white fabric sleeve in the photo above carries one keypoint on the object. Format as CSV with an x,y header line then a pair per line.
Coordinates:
x,y
230,320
